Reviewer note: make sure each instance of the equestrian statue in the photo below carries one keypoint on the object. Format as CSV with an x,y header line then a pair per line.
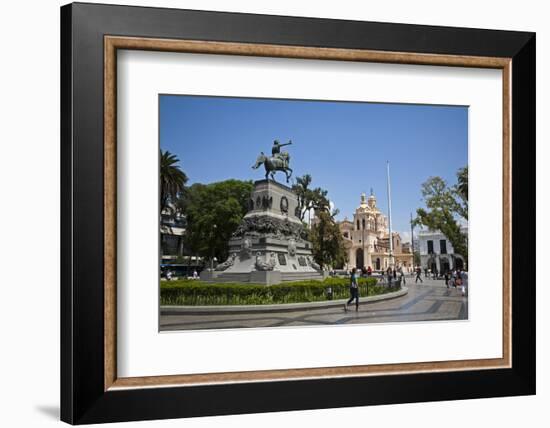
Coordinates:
x,y
278,161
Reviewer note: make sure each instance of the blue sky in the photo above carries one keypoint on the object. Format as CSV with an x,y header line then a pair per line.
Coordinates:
x,y
344,146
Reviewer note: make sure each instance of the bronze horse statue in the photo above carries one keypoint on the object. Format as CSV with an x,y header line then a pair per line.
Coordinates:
x,y
273,164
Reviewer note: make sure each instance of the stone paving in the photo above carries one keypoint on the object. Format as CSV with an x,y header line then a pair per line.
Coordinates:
x,y
427,301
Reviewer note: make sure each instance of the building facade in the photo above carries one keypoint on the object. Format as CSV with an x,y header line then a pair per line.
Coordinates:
x,y
172,229
367,239
174,256
437,253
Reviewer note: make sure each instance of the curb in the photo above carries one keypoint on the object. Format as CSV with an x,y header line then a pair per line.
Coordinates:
x,y
283,307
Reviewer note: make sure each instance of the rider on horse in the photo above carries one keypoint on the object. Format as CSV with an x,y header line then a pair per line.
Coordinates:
x,y
276,152
279,161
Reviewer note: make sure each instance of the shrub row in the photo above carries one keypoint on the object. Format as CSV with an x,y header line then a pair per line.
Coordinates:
x,y
192,292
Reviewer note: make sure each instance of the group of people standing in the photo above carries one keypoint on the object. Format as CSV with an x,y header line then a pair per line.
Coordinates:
x,y
455,278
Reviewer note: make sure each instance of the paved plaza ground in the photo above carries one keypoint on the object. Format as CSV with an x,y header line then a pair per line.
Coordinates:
x,y
427,301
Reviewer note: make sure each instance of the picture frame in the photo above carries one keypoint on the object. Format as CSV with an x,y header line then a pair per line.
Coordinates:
x,y
91,391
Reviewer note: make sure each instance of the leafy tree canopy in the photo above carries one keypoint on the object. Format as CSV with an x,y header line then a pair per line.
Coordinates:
x,y
445,206
327,241
308,198
328,244
213,212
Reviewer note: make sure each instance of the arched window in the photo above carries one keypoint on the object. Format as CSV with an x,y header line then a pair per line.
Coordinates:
x,y
358,227
363,223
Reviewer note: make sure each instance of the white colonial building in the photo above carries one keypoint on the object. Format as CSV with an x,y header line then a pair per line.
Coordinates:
x,y
437,253
367,240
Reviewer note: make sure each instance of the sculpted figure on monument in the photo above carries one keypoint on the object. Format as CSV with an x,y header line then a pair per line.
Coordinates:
x,y
264,225
246,248
284,205
292,247
265,265
228,263
279,161
313,264
277,153
267,202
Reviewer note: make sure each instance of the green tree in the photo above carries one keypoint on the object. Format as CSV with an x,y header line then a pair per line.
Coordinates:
x,y
308,199
461,190
172,179
416,256
213,212
327,241
325,235
445,206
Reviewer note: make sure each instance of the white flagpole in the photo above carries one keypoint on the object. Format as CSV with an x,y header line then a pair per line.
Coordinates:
x,y
389,212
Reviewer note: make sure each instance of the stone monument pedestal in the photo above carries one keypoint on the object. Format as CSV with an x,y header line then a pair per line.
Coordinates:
x,y
270,245
209,275
268,277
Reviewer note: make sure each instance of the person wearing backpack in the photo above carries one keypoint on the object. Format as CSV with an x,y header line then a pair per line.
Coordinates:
x,y
353,290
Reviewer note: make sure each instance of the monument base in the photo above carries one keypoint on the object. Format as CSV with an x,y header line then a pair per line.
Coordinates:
x,y
208,275
265,277
270,245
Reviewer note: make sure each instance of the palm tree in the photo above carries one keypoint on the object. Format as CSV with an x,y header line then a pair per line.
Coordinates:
x,y
301,188
308,199
172,179
462,186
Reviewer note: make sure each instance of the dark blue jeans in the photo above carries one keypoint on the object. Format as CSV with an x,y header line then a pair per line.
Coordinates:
x,y
354,292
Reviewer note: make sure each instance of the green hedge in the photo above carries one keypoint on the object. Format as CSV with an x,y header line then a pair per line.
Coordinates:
x,y
194,292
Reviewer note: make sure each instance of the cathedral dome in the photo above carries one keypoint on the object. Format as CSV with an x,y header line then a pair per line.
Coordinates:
x,y
372,200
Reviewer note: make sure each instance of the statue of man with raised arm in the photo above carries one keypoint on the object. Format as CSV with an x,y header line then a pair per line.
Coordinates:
x,y
276,151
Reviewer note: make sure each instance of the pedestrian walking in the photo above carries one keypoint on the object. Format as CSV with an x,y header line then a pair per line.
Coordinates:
x,y
464,283
353,291
402,276
418,275
458,280
447,277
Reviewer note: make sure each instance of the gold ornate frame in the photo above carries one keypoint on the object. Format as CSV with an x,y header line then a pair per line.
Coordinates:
x,y
113,43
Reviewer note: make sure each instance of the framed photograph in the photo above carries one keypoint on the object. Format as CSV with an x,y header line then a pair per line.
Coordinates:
x,y
266,213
